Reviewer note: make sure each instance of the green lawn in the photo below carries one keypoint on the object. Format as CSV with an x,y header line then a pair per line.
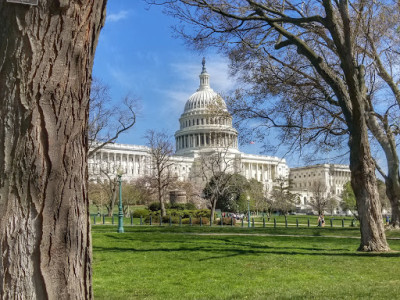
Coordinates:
x,y
240,263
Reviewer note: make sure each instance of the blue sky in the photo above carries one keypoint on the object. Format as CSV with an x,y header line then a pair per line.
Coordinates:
x,y
137,54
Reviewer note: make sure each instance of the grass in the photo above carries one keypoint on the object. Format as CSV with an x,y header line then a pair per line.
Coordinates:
x,y
250,263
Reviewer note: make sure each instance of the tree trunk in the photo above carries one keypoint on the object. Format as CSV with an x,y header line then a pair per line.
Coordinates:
x,y
46,58
392,182
160,197
387,141
162,207
213,206
364,184
112,201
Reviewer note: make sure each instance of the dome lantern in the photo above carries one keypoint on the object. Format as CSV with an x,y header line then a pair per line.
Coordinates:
x,y
204,77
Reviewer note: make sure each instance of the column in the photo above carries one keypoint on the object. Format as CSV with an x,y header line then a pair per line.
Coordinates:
x,y
133,164
256,171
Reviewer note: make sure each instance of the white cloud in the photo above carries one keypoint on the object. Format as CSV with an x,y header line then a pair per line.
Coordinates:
x,y
115,17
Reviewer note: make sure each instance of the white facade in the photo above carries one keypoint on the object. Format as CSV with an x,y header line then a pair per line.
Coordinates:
x,y
304,180
132,161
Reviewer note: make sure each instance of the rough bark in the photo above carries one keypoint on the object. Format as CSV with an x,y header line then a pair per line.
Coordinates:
x,y
213,206
392,182
363,181
46,58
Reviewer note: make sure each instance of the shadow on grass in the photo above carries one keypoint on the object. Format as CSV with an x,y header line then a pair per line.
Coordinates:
x,y
231,252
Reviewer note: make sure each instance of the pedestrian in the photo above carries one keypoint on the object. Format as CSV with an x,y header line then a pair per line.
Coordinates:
x,y
319,221
322,220
387,220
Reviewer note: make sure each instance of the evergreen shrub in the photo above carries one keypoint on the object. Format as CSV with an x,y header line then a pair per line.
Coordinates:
x,y
140,212
154,206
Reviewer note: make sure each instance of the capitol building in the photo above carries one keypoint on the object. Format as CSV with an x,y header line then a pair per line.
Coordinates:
x,y
205,127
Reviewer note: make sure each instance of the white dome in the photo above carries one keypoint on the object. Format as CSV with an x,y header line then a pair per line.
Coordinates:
x,y
203,98
205,123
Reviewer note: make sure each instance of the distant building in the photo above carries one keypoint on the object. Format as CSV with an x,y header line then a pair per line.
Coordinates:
x,y
305,180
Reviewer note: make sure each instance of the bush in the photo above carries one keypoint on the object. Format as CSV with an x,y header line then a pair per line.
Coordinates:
x,y
190,206
175,212
205,213
155,218
155,206
186,221
178,206
140,212
174,220
204,221
181,206
225,221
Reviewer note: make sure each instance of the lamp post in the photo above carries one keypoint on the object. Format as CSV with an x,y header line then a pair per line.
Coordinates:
x,y
120,212
248,211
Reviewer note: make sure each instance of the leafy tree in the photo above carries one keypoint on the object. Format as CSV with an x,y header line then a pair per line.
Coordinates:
x,y
282,199
218,189
231,199
257,195
46,55
349,200
316,63
214,168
